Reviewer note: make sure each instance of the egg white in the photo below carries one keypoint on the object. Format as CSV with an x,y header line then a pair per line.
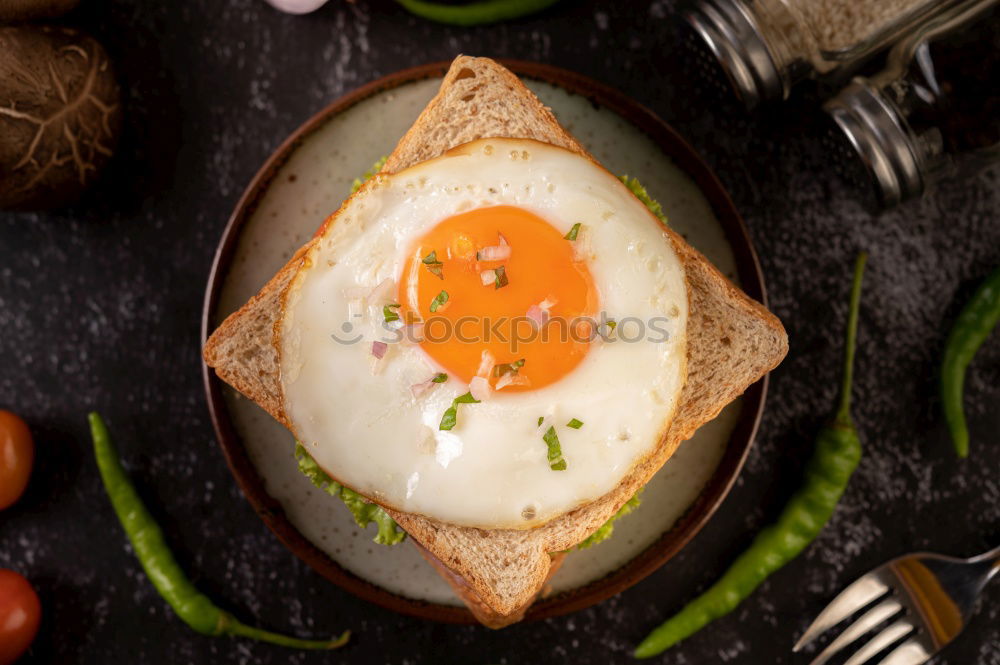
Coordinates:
x,y
357,416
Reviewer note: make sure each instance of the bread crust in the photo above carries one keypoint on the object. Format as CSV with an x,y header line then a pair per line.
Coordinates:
x,y
483,613
732,342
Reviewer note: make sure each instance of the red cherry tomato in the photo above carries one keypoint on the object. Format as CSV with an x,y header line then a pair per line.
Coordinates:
x,y
20,614
17,453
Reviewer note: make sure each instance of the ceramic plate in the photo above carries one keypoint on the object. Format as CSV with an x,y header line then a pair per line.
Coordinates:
x,y
307,178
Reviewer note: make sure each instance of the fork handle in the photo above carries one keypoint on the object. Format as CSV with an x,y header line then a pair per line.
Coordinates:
x,y
993,558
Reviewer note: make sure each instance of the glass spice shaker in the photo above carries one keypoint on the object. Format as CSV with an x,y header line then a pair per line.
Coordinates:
x,y
765,46
934,111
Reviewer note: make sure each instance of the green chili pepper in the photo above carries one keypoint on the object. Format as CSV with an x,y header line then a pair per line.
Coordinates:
x,y
475,13
192,606
973,325
837,453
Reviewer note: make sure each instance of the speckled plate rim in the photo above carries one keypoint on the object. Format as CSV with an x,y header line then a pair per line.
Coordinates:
x,y
656,554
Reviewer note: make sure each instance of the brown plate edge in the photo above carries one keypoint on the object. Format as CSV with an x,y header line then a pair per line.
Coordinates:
x,y
654,556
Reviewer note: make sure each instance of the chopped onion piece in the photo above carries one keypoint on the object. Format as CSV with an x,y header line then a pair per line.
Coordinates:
x,y
503,240
537,315
486,364
495,253
379,349
581,248
488,277
480,388
418,389
511,379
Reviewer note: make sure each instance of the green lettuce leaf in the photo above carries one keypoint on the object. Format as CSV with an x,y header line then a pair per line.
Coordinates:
x,y
376,167
364,512
608,527
640,193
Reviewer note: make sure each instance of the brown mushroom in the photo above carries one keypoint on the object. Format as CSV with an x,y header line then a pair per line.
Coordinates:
x,y
60,114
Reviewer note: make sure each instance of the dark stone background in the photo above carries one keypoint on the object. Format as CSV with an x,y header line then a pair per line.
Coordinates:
x,y
99,309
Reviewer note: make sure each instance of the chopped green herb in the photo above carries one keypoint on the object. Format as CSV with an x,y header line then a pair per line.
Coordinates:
x,y
439,300
450,417
435,266
508,368
389,314
606,329
641,194
501,280
364,512
575,424
605,530
573,232
540,419
440,378
556,461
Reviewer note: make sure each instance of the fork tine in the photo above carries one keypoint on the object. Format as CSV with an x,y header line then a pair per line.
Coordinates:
x,y
896,631
856,596
885,610
909,652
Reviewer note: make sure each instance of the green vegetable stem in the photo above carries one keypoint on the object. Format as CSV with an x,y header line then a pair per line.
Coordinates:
x,y
192,606
475,13
973,325
836,455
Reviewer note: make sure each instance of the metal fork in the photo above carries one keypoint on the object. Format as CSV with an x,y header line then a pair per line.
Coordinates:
x,y
926,599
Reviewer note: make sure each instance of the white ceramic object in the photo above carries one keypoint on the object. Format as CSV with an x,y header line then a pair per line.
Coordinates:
x,y
310,185
297,6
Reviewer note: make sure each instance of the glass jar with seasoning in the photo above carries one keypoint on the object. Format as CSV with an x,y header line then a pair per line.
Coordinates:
x,y
934,111
766,46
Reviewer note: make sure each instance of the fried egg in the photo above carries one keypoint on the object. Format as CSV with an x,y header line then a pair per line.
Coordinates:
x,y
490,338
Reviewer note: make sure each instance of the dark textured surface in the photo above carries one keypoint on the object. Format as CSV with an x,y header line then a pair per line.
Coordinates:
x,y
99,308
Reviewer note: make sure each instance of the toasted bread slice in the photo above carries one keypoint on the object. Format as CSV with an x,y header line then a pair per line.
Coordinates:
x,y
483,613
732,342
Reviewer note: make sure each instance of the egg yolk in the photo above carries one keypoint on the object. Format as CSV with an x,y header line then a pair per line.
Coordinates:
x,y
532,306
